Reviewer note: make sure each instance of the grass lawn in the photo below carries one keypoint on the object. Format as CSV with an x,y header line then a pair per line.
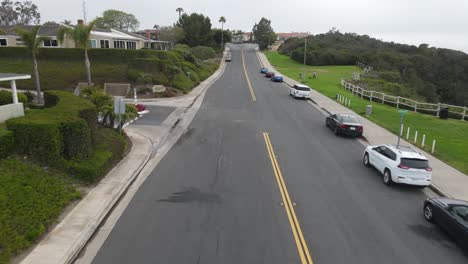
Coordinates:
x,y
64,75
451,135
31,199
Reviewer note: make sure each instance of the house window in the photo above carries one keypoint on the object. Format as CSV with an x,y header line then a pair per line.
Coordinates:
x,y
119,44
93,43
50,43
104,43
3,43
131,45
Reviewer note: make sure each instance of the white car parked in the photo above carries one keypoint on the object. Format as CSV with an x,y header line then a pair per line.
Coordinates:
x,y
300,91
399,164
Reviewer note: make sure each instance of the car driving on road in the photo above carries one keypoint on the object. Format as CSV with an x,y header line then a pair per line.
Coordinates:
x,y
344,124
264,70
269,74
277,78
399,164
228,57
300,91
451,215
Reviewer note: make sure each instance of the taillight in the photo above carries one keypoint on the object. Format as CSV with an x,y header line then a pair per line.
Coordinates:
x,y
401,166
429,169
359,128
344,126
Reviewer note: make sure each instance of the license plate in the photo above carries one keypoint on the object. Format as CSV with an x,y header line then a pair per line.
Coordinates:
x,y
352,128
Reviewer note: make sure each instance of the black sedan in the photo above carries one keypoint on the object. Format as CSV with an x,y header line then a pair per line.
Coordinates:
x,y
344,124
451,215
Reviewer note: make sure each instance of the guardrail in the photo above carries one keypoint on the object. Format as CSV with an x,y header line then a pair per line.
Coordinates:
x,y
454,111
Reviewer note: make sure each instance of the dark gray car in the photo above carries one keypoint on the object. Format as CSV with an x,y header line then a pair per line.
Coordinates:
x,y
451,215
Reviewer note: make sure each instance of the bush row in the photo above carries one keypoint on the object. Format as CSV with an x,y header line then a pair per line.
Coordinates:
x,y
62,131
6,143
6,97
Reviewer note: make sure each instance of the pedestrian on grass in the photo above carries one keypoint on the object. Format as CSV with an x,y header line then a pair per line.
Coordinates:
x,y
314,75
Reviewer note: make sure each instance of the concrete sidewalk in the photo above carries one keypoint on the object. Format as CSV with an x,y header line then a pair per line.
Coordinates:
x,y
446,180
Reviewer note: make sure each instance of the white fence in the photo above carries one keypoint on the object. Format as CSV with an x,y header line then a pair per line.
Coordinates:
x,y
455,111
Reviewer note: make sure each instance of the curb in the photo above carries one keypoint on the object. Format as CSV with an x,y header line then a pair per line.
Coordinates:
x,y
92,227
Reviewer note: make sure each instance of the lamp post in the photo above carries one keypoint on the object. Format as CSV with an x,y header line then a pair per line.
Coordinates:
x,y
402,115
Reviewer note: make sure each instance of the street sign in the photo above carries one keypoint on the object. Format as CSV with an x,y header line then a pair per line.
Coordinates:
x,y
119,106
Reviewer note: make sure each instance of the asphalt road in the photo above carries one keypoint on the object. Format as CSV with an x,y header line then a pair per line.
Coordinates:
x,y
215,197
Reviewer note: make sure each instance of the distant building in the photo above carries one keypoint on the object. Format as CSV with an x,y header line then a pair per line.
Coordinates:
x,y
248,36
99,39
285,36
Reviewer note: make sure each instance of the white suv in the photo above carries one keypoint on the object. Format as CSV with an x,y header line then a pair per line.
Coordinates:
x,y
300,91
399,164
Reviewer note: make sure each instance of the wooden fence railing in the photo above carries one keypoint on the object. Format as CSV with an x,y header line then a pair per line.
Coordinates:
x,y
454,111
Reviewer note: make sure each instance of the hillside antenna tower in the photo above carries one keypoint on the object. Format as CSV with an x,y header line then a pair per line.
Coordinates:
x,y
84,12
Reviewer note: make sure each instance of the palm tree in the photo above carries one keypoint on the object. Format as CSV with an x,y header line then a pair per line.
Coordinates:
x,y
180,10
222,20
32,42
80,35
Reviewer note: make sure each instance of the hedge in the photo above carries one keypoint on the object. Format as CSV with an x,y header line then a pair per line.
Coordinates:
x,y
110,148
61,131
203,52
6,143
6,97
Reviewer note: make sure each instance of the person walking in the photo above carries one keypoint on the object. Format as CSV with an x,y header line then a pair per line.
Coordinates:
x,y
314,75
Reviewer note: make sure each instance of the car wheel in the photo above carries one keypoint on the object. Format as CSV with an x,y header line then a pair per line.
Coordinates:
x,y
387,177
336,131
365,160
428,212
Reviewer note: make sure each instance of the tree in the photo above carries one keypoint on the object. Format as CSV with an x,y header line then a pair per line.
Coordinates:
x,y
171,34
222,20
33,41
80,35
18,13
179,10
263,33
219,34
197,30
66,22
118,20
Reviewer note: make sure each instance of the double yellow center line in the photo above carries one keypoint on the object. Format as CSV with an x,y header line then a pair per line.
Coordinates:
x,y
304,253
248,79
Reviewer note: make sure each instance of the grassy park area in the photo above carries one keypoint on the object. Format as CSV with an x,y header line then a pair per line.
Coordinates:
x,y
450,135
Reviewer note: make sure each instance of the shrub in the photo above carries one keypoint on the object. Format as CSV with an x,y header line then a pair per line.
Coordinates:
x,y
6,143
31,199
6,97
110,148
203,52
64,130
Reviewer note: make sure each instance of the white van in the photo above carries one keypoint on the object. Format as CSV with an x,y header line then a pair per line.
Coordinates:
x,y
300,91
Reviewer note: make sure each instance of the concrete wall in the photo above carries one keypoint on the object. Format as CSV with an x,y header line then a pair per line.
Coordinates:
x,y
10,111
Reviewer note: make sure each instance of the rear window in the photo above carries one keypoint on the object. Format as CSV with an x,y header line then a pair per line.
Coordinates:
x,y
302,88
415,163
349,119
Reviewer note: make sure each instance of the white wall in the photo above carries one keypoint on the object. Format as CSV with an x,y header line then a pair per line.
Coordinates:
x,y
10,111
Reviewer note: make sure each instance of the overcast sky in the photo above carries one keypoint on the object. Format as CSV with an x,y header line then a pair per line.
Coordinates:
x,y
440,23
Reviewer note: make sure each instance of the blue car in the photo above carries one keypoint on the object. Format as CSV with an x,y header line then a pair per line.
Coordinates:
x,y
277,78
264,70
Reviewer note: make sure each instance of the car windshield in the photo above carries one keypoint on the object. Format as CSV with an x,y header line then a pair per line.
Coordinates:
x,y
349,119
415,163
302,88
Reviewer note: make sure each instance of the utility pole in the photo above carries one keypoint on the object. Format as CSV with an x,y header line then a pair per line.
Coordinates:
x,y
84,12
